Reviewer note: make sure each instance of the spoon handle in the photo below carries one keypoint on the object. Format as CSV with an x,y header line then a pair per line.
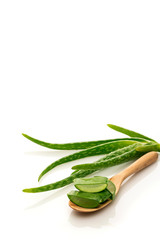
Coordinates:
x,y
138,165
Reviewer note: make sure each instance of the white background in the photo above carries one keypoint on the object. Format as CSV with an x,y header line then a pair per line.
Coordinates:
x,y
67,68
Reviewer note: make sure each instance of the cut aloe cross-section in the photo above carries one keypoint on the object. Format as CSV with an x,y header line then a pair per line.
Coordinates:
x,y
91,185
111,188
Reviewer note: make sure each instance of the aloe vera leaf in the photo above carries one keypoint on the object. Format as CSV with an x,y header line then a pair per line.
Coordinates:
x,y
129,132
97,150
70,179
118,157
74,145
149,147
59,184
66,146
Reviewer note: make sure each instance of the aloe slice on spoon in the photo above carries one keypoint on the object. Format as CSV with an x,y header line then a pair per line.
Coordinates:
x,y
94,184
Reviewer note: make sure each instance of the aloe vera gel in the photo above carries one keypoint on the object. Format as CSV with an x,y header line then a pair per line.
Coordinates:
x,y
92,191
93,185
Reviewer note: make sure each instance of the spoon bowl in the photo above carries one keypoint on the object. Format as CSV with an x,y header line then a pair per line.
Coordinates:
x,y
138,165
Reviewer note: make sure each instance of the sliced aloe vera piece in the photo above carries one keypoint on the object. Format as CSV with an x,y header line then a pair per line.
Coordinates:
x,y
79,199
91,188
91,185
88,200
111,188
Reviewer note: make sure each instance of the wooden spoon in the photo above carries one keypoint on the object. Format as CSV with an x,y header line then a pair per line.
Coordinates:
x,y
138,165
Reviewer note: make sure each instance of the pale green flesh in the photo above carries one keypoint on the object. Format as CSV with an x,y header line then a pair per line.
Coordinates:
x,y
111,188
93,185
92,188
95,179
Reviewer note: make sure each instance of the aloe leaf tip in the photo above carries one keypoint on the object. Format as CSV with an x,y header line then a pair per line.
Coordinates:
x,y
25,190
39,178
24,135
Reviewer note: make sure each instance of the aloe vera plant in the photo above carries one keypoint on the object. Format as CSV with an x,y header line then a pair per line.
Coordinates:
x,y
117,151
